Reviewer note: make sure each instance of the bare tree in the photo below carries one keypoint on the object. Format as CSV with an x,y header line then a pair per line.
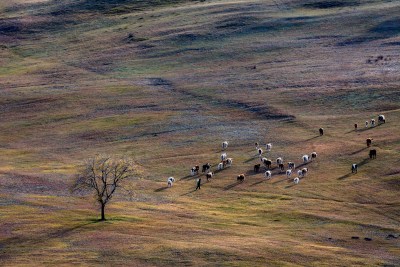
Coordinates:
x,y
103,175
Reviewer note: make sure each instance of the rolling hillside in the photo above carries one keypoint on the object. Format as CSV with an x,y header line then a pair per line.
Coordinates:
x,y
166,82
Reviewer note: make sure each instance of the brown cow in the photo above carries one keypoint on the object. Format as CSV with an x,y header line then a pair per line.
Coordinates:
x,y
369,142
240,178
281,167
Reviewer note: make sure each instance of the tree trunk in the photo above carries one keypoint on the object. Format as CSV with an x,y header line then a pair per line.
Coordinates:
x,y
103,217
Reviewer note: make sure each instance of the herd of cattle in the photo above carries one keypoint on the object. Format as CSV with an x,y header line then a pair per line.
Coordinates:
x,y
267,163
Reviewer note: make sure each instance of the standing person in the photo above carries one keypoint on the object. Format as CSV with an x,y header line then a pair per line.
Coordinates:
x,y
198,183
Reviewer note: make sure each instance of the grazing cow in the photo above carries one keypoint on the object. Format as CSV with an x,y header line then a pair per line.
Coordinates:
x,y
291,165
288,173
266,162
257,168
314,155
240,178
229,162
355,126
306,158
268,174
372,154
304,172
321,131
296,180
206,167
354,168
369,141
224,145
381,119
195,170
223,156
260,151
366,124
209,175
170,181
299,173
281,167
279,161
372,123
220,166
224,163
268,146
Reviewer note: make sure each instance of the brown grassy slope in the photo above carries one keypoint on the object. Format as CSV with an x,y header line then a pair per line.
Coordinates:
x,y
167,86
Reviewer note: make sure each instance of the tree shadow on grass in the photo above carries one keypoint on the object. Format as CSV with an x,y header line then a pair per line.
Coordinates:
x,y
63,232
32,242
228,187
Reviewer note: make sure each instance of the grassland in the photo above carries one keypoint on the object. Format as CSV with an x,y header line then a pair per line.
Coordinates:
x,y
165,82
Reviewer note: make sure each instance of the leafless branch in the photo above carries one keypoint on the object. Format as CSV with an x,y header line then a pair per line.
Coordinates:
x,y
103,175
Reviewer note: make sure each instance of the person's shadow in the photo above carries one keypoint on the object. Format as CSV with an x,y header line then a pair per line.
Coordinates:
x,y
194,190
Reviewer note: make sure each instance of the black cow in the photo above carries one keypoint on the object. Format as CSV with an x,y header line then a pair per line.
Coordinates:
x,y
291,165
240,178
354,168
372,154
369,141
257,168
206,167
267,163
321,131
381,119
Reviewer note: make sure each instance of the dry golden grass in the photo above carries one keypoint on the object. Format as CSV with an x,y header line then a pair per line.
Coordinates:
x,y
166,85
